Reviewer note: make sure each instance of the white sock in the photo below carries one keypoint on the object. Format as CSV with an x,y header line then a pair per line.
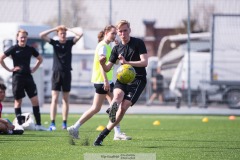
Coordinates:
x,y
77,125
117,129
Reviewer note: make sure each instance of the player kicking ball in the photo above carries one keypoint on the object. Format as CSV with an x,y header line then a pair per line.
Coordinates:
x,y
131,51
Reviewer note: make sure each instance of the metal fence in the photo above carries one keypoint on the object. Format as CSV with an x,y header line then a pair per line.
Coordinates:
x,y
96,14
92,14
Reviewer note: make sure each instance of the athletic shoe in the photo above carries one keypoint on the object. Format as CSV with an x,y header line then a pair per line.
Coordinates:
x,y
121,136
64,126
18,127
108,110
52,127
98,142
17,132
40,128
73,132
112,112
148,103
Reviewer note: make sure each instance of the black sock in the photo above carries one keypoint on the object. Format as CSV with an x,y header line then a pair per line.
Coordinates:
x,y
64,121
104,134
53,122
18,112
20,118
36,113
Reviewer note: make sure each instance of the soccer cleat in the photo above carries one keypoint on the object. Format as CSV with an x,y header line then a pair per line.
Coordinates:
x,y
17,132
73,132
121,136
108,110
52,127
40,128
98,142
112,112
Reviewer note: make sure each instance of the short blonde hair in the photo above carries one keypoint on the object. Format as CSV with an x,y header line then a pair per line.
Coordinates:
x,y
22,31
122,22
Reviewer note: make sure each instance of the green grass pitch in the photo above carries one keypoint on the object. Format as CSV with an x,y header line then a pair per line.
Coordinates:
x,y
178,137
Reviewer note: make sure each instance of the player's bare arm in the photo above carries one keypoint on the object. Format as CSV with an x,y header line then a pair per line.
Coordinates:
x,y
2,57
77,35
142,63
44,34
39,61
106,67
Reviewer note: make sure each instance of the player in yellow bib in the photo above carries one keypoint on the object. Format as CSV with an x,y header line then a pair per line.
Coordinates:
x,y
103,83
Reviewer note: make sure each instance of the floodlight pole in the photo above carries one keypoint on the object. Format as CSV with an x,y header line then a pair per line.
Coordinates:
x,y
189,56
25,17
59,12
110,12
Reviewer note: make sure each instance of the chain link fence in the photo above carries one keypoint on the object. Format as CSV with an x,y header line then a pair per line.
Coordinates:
x,y
92,14
96,14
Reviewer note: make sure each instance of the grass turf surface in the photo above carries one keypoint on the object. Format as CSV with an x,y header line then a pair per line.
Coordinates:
x,y
177,137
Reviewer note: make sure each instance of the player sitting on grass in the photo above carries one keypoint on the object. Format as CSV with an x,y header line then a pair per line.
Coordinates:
x,y
6,126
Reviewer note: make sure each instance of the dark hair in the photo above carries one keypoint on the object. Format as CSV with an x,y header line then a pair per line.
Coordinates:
x,y
105,30
2,86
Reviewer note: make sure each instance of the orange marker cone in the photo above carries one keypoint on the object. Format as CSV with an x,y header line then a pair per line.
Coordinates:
x,y
231,117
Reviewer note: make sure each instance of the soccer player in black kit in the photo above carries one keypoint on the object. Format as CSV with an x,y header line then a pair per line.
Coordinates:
x,y
130,51
22,80
62,66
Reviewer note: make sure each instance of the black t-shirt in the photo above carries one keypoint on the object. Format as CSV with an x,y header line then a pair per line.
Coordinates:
x,y
62,58
131,52
22,57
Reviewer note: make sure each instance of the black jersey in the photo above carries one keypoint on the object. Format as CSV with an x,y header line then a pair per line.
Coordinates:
x,y
62,58
131,52
22,57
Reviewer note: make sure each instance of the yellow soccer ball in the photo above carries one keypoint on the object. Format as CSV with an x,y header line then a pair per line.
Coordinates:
x,y
126,74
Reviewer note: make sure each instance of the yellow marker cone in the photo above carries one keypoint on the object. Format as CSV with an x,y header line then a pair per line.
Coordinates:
x,y
100,128
231,117
205,119
156,123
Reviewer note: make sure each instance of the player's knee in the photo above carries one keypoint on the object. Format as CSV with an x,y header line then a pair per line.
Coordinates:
x,y
95,110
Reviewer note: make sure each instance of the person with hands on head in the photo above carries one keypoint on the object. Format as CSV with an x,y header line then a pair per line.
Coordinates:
x,y
130,51
22,80
62,66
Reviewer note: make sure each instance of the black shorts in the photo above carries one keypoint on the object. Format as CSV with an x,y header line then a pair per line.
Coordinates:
x,y
99,88
22,83
61,81
158,90
133,90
